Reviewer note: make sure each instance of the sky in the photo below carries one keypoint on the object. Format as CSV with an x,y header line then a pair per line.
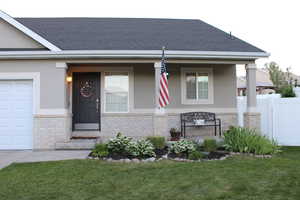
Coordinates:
x,y
272,25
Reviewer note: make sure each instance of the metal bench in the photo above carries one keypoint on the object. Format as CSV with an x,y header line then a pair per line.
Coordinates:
x,y
199,119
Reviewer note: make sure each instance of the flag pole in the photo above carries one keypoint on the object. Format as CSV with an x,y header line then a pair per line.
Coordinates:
x,y
162,57
157,66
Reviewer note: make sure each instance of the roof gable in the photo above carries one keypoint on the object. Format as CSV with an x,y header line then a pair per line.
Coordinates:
x,y
12,38
26,31
135,34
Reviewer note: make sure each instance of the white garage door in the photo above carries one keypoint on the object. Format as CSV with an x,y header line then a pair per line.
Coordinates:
x,y
16,119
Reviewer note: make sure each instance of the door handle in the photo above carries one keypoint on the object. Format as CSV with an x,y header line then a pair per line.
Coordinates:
x,y
97,105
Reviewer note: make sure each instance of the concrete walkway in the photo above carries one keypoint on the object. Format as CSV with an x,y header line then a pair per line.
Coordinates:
x,y
9,157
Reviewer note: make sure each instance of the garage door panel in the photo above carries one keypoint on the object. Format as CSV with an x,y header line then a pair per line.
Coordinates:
x,y
20,140
5,139
4,108
16,115
4,124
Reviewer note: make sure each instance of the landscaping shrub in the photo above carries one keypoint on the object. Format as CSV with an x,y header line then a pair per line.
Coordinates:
x,y
100,150
145,149
123,146
182,147
195,155
157,141
140,149
118,144
287,91
245,140
210,145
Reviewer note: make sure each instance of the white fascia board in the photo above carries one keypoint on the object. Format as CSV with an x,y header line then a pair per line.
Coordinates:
x,y
28,32
154,54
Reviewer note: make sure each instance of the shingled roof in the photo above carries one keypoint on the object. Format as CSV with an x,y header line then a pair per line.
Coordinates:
x,y
135,34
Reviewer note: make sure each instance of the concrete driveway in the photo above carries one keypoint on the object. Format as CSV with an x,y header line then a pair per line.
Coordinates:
x,y
9,157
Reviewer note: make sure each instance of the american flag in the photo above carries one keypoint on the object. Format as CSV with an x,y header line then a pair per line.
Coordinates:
x,y
163,84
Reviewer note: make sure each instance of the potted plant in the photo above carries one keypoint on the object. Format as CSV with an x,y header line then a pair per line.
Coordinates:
x,y
175,134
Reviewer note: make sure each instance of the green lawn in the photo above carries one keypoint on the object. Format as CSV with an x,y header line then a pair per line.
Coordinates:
x,y
236,178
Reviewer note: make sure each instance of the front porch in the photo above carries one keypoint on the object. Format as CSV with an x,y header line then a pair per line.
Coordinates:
x,y
123,99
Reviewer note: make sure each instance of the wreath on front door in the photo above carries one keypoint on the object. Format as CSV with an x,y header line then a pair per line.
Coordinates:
x,y
86,90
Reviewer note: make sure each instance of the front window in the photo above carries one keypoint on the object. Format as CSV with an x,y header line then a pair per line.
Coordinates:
x,y
197,86
116,86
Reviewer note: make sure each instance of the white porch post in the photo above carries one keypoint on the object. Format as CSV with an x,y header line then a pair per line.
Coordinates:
x,y
160,119
251,87
251,116
65,135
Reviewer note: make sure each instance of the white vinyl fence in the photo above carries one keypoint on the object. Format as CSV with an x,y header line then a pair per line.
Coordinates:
x,y
280,117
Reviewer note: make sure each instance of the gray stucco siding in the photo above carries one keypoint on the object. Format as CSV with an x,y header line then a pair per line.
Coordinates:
x,y
53,94
144,86
224,84
12,38
52,80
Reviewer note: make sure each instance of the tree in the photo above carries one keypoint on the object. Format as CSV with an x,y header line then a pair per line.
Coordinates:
x,y
277,76
283,81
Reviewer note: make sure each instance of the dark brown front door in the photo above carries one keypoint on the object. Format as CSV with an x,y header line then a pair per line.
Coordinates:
x,y
86,101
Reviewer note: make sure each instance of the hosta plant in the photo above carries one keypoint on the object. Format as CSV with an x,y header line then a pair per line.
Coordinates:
x,y
145,149
140,149
118,144
182,147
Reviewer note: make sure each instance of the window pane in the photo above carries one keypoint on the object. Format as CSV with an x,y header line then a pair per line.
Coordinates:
x,y
191,85
202,81
116,102
116,91
116,81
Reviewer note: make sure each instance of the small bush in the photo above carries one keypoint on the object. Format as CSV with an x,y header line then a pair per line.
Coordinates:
x,y
195,155
287,91
145,149
157,141
245,140
182,147
118,144
100,150
124,146
140,149
210,145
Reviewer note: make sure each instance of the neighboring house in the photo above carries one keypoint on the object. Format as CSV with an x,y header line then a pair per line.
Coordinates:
x,y
263,83
62,78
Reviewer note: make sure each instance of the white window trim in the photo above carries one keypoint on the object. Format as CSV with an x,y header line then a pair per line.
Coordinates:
x,y
130,97
210,99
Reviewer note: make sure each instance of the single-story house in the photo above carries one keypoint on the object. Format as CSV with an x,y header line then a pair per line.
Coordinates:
x,y
66,81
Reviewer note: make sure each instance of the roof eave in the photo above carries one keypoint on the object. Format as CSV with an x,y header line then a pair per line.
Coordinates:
x,y
149,54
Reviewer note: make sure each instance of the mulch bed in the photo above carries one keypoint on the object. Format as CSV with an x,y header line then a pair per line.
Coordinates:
x,y
216,155
160,152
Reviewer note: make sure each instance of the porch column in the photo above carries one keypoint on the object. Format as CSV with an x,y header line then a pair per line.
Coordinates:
x,y
160,118
251,116
64,133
